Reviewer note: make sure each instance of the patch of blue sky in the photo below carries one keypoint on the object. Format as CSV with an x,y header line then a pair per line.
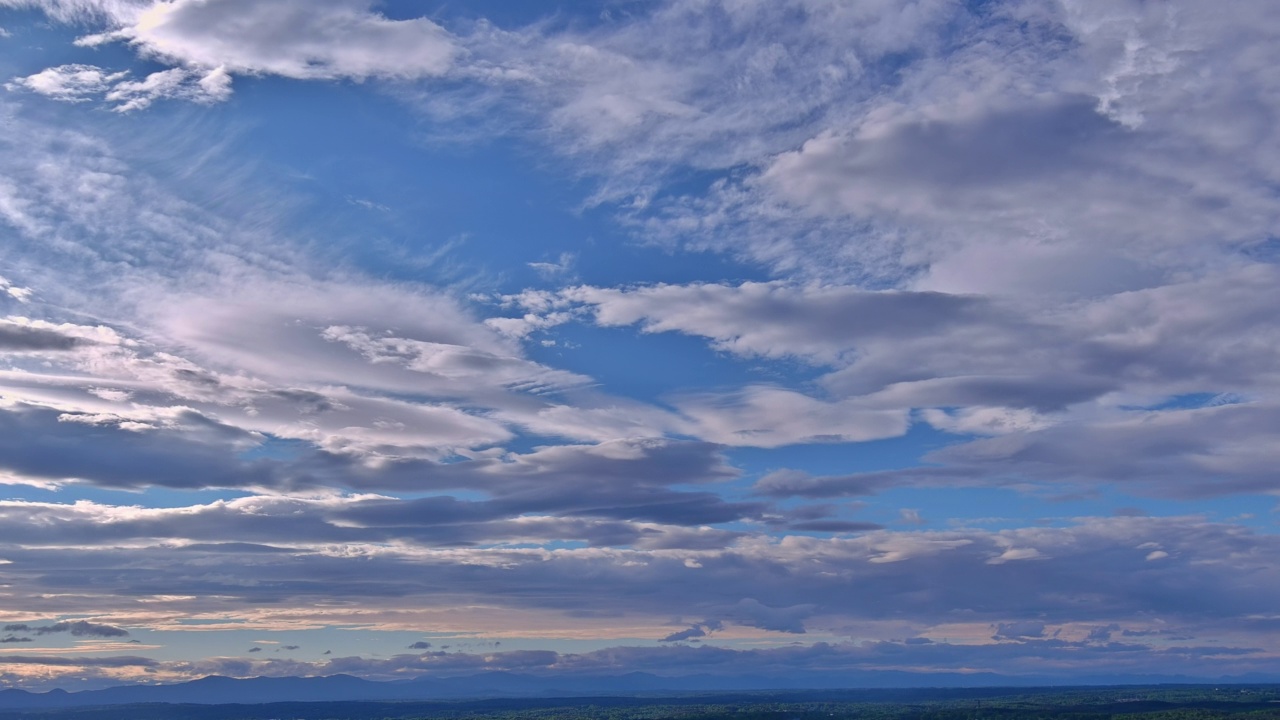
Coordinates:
x,y
150,497
1191,401
1268,250
655,367
400,207
276,448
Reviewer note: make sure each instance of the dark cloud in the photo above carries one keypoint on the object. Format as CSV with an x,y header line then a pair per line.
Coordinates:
x,y
78,628
692,632
420,645
818,662
1019,630
1185,570
40,443
1102,633
835,526
117,661
24,338
696,630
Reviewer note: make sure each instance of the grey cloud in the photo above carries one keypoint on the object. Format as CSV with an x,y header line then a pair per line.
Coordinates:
x,y
14,639
117,661
420,645
965,188
696,630
779,320
699,88
929,349
22,338
753,613
1019,630
38,444
821,662
625,480
835,526
1185,453
78,628
1103,633
1214,578
794,483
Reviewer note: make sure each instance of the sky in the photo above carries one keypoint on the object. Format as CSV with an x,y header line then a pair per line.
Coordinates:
x,y
732,337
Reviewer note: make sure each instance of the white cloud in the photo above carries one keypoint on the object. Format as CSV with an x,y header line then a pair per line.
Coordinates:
x,y
211,86
21,294
71,83
207,43
305,40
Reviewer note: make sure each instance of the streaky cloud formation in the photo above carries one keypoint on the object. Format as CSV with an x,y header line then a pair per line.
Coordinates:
x,y
782,339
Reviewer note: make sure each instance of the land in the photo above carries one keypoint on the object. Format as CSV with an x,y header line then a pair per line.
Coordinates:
x,y
1163,702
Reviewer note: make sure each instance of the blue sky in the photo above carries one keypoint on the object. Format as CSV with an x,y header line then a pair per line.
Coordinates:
x,y
690,337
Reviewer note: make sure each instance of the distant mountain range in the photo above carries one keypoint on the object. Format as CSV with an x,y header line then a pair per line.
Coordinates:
x,y
216,690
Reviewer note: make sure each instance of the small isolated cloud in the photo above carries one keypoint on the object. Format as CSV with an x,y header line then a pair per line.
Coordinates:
x,y
13,639
21,294
696,630
551,270
420,645
255,649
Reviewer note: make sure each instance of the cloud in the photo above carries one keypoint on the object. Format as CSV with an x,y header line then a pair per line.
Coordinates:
x,y
71,83
420,645
116,661
696,630
19,336
980,154
208,43
924,576
761,416
1019,630
78,628
550,270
